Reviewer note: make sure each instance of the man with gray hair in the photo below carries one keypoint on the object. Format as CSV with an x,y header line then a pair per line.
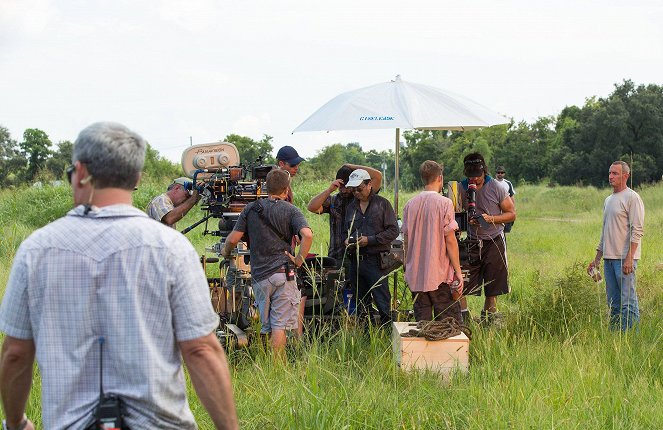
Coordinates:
x,y
175,203
619,246
106,283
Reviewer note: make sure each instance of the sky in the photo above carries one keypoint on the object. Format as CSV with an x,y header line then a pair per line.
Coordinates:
x,y
193,71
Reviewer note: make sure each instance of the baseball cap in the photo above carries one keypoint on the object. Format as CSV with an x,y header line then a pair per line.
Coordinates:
x,y
474,165
344,174
182,181
500,169
289,155
357,177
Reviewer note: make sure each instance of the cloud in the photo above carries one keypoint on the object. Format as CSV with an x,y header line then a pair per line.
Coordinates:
x,y
192,15
25,17
252,126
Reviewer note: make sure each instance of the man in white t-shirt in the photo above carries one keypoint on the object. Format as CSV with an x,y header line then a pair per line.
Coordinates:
x,y
500,174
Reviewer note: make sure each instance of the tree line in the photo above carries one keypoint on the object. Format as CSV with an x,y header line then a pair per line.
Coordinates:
x,y
575,147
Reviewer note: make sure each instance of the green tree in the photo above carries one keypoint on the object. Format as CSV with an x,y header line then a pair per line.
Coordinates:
x,y
157,166
250,150
12,163
628,123
327,161
421,145
60,159
526,150
36,148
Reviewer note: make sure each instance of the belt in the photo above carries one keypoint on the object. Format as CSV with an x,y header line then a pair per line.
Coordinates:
x,y
281,270
362,256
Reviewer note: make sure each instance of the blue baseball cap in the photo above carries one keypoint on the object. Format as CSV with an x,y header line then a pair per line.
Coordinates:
x,y
289,155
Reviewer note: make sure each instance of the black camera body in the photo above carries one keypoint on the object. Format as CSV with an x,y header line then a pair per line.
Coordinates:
x,y
354,238
190,186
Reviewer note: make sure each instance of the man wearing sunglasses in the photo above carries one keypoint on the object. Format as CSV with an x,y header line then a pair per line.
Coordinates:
x,y
336,204
500,176
106,275
371,226
175,203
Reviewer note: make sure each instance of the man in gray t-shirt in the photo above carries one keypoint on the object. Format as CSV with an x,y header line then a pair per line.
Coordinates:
x,y
270,225
488,262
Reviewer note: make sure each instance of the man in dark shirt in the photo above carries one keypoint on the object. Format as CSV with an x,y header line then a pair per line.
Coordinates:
x,y
336,205
270,224
371,224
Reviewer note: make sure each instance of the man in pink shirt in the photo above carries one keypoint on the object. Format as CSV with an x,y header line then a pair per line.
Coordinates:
x,y
432,263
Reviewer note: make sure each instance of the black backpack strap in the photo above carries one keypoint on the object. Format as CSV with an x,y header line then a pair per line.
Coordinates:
x,y
260,211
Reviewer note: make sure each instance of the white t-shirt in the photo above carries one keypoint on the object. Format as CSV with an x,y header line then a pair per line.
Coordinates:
x,y
508,186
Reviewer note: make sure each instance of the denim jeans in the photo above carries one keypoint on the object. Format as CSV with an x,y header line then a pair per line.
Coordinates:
x,y
622,298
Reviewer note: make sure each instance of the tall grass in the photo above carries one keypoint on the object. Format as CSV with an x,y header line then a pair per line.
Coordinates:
x,y
551,364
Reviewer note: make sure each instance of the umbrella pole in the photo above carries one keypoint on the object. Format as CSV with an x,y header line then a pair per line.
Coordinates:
x,y
398,147
396,175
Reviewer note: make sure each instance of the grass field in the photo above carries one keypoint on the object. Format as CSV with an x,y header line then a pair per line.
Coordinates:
x,y
552,364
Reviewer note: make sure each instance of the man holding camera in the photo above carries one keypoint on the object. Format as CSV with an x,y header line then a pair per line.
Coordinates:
x,y
175,203
371,224
431,250
270,224
105,274
487,256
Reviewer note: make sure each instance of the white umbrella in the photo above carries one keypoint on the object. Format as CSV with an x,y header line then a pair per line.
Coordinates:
x,y
399,104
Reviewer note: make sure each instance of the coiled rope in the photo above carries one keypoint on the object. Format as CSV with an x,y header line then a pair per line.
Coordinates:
x,y
439,330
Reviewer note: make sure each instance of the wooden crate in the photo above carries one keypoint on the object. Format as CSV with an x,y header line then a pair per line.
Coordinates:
x,y
418,353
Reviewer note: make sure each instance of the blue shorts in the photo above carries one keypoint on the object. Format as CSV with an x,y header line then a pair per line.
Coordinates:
x,y
278,302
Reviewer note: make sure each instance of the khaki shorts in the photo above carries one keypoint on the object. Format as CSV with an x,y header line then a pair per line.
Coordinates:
x,y
278,302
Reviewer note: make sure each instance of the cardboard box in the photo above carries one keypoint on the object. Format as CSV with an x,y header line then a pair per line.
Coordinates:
x,y
418,353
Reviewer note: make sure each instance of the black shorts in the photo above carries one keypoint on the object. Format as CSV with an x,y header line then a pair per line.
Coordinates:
x,y
488,268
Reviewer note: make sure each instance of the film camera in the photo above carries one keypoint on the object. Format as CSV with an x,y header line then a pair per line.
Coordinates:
x,y
226,187
465,213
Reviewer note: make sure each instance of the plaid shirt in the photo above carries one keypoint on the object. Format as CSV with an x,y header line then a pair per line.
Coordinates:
x,y
335,206
113,273
159,207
